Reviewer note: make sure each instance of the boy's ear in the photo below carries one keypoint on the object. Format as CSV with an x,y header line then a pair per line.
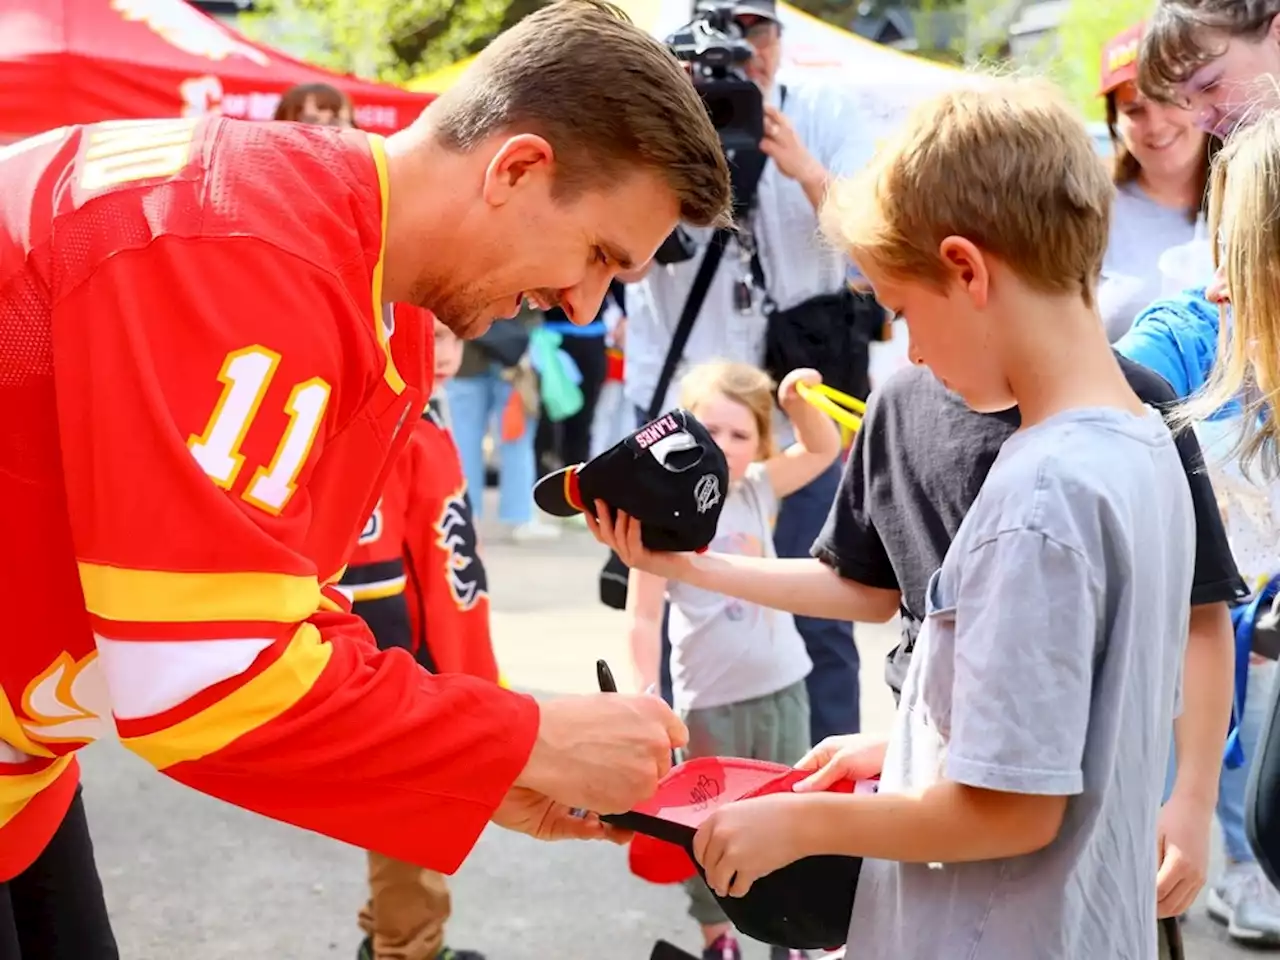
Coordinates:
x,y
966,267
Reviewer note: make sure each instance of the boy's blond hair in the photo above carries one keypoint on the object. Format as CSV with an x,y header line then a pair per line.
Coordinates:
x,y
1004,163
740,382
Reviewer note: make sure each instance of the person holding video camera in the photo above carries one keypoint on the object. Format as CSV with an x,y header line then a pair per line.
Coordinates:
x,y
770,293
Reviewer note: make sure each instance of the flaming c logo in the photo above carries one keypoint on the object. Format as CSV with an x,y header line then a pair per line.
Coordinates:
x,y
456,536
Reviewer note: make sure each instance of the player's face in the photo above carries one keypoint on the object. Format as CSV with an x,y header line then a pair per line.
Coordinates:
x,y
949,333
733,427
550,251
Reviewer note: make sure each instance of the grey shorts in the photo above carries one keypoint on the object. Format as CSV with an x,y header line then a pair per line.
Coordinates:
x,y
774,727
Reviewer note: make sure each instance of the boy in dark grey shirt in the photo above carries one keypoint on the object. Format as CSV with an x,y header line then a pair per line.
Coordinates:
x,y
1030,739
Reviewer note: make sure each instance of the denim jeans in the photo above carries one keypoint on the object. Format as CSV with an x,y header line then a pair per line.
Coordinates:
x,y
833,683
475,409
1231,787
1232,783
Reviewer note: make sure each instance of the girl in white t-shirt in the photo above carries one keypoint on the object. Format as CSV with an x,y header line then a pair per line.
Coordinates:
x,y
738,670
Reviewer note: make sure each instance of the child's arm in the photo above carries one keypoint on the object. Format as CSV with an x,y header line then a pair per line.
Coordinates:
x,y
817,438
946,823
645,596
1019,718
801,586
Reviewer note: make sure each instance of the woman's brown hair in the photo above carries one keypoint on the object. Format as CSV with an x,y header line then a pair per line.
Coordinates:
x,y
1183,35
324,96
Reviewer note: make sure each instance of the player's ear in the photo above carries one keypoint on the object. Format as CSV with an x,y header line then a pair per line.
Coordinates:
x,y
519,162
966,266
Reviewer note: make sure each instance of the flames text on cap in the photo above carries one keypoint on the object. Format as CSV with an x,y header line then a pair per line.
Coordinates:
x,y
662,427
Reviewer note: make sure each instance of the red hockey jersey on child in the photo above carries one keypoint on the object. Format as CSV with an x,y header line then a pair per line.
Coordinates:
x,y
199,402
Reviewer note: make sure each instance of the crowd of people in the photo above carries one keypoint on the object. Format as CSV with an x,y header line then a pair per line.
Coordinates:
x,y
1066,498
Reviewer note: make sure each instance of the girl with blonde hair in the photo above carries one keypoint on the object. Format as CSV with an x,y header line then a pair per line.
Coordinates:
x,y
738,670
1244,202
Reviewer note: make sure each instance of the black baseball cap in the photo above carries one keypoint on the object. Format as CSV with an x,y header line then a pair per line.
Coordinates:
x,y
670,475
805,905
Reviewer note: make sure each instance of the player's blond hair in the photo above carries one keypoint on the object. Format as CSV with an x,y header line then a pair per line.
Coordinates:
x,y
1244,216
1003,162
740,382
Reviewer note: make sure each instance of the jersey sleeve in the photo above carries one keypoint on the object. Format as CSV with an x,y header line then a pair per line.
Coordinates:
x,y
198,384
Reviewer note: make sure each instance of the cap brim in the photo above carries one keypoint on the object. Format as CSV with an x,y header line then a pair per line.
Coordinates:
x,y
555,493
697,788
1114,81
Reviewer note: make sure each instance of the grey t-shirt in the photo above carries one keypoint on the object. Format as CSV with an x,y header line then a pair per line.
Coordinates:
x,y
725,650
1141,230
1048,663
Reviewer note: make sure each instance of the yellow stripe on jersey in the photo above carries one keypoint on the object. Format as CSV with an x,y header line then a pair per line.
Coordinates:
x,y
15,734
160,596
375,591
17,789
258,702
390,373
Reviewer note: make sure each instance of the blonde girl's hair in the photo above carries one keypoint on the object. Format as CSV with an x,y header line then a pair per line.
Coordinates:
x,y
1244,216
739,382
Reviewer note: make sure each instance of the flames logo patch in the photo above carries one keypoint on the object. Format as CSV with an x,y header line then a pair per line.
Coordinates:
x,y
456,537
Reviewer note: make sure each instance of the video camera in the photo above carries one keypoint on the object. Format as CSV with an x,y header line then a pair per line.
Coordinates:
x,y
714,47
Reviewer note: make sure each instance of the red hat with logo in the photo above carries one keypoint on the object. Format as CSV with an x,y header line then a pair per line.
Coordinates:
x,y
1120,59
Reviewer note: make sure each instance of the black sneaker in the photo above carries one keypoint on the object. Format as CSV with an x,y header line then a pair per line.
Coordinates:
x,y
724,947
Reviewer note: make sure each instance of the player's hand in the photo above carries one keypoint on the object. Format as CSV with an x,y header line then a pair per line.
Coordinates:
x,y
783,146
788,395
1182,838
622,536
604,752
857,756
748,839
530,812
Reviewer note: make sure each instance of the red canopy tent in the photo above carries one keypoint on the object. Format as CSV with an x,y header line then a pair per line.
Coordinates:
x,y
79,61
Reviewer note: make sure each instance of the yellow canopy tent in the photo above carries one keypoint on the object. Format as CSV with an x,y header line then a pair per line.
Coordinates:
x,y
810,45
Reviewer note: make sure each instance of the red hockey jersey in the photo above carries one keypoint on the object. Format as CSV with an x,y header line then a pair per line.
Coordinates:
x,y
199,402
447,589
416,577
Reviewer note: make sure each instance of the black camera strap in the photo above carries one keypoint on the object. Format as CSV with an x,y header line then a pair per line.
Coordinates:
x,y
750,166
757,268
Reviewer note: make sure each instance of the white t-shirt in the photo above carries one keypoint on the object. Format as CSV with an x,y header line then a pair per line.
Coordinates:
x,y
725,650
1141,230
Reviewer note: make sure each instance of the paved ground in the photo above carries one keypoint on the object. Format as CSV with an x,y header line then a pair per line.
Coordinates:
x,y
191,878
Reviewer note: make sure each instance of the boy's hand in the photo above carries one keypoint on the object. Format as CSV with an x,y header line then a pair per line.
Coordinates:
x,y
622,536
1183,846
857,756
747,839
788,396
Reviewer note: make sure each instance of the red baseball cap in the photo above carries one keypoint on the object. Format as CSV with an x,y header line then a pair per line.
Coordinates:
x,y
806,905
1120,59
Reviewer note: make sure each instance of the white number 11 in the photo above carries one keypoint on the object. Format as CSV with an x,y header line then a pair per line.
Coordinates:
x,y
245,376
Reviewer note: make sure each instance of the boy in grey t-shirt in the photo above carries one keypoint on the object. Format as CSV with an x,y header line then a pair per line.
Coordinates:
x,y
1016,816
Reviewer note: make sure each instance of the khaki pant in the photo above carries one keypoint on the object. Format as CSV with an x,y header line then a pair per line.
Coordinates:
x,y
407,910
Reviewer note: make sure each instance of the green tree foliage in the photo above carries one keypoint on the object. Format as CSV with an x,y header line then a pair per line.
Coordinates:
x,y
387,40
1085,30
